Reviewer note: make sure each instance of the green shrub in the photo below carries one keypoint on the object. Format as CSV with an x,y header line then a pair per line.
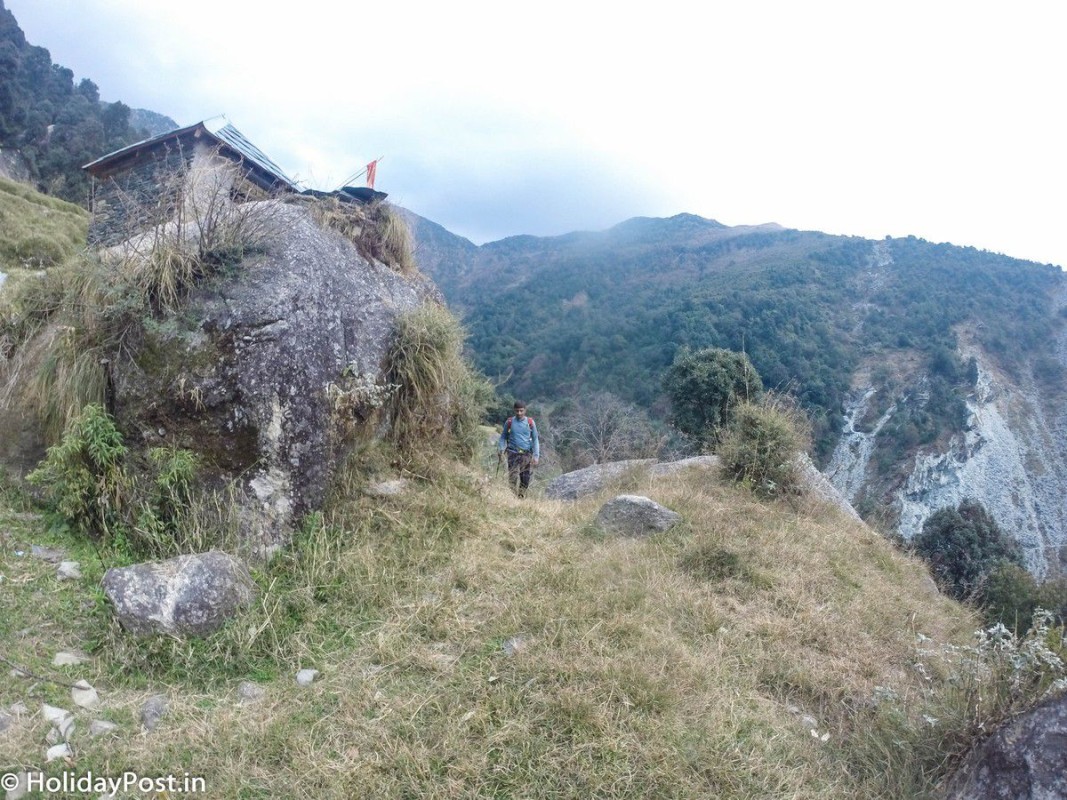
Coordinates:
x,y
83,476
1009,596
760,446
963,546
706,386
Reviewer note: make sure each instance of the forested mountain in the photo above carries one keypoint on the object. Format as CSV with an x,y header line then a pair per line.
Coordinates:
x,y
904,324
611,309
58,125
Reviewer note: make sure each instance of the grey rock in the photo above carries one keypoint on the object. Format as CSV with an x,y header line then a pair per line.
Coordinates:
x,y
153,711
101,727
19,709
633,515
590,480
47,554
248,692
85,695
664,468
57,751
245,373
66,658
191,595
929,586
515,645
306,677
819,485
69,571
21,787
1025,759
6,721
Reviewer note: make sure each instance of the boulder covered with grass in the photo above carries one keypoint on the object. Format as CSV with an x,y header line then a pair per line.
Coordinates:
x,y
633,515
272,367
191,595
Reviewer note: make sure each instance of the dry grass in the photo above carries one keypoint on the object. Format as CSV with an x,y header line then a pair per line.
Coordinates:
x,y
476,645
377,230
37,231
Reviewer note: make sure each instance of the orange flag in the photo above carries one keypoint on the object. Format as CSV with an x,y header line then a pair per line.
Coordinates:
x,y
372,169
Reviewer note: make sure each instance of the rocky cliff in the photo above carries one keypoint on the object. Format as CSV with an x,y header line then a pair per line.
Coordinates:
x,y
1012,456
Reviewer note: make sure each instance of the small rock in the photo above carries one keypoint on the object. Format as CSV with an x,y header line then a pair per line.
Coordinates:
x,y
61,750
100,727
21,787
69,571
52,713
633,515
18,673
61,719
85,695
6,720
46,554
68,659
248,692
514,645
306,677
19,709
152,711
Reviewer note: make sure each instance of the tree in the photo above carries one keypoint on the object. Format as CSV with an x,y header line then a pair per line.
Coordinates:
x,y
963,546
600,427
705,386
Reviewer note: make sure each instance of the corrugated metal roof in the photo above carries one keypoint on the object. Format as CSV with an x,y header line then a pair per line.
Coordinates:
x,y
220,129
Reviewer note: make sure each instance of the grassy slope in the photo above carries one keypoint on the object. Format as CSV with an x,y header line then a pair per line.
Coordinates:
x,y
678,666
36,230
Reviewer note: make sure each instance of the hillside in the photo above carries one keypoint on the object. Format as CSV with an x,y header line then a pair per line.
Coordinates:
x,y
54,124
471,644
828,318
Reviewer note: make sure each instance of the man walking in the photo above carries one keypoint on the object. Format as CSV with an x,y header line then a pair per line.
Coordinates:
x,y
520,441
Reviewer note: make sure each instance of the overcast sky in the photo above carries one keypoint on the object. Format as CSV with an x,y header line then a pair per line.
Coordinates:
x,y
937,118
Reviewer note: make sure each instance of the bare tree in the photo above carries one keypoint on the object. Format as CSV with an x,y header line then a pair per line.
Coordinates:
x,y
601,428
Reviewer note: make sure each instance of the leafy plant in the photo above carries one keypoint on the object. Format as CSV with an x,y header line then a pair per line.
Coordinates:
x,y
706,386
83,476
760,446
963,545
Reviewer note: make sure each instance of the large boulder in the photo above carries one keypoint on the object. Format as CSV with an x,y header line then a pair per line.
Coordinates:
x,y
255,371
192,595
633,515
1024,760
819,485
590,480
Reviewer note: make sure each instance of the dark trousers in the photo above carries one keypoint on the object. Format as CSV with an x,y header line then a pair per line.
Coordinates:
x,y
519,465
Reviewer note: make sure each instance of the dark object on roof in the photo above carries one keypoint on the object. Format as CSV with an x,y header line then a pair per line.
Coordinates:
x,y
364,194
216,132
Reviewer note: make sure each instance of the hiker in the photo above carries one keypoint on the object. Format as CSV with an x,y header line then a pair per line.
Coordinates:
x,y
520,441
